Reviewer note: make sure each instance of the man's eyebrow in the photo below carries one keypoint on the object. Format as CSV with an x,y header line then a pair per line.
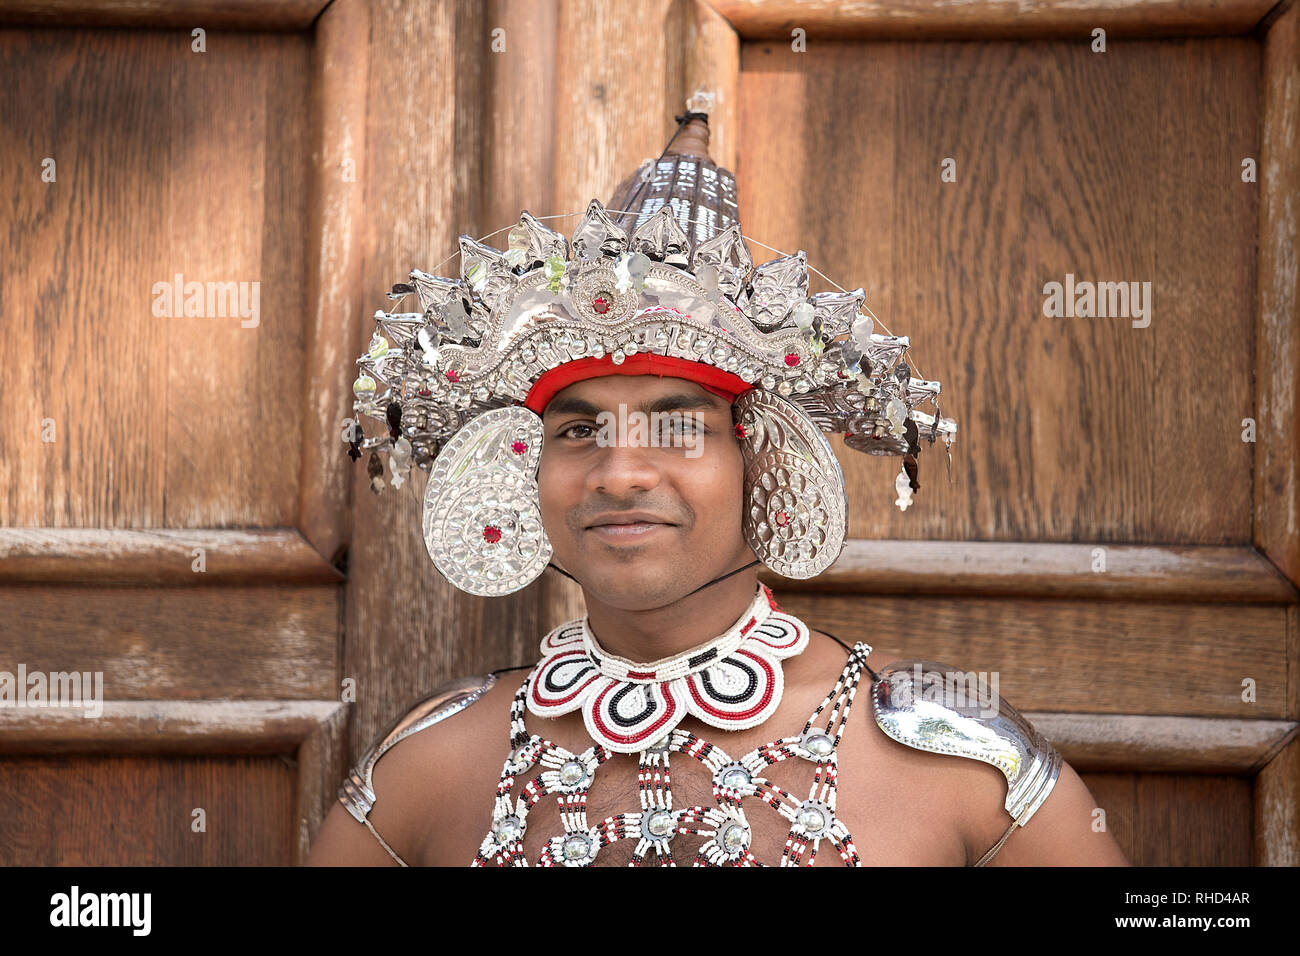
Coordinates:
x,y
676,402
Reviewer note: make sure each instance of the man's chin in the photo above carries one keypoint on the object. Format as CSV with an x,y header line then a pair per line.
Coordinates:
x,y
634,586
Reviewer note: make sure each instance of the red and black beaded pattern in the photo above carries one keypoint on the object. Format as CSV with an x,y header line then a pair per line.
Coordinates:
x,y
625,712
627,716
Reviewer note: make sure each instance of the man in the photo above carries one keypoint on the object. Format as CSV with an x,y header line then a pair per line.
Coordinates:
x,y
688,718
903,806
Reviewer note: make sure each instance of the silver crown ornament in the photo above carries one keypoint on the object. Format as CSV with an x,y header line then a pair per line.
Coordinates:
x,y
447,383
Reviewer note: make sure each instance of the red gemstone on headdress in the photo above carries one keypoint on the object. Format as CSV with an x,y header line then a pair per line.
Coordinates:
x,y
848,434
491,534
740,430
782,518
425,393
601,304
791,359
519,447
453,375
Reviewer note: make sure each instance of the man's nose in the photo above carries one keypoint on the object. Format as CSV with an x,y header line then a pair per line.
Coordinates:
x,y
622,467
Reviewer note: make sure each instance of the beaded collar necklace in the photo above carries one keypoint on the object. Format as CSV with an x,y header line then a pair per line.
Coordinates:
x,y
732,682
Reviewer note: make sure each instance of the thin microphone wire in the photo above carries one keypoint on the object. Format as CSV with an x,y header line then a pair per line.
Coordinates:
x,y
874,676
684,596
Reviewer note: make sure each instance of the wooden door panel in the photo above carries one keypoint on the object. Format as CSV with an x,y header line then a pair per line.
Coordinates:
x,y
1106,541
153,288
1177,819
127,810
168,163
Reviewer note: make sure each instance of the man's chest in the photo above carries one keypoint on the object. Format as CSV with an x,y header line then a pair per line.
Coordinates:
x,y
638,811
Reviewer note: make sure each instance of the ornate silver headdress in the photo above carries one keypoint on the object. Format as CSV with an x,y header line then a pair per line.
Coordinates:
x,y
659,282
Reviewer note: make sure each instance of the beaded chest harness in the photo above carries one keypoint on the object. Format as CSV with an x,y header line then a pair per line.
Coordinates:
x,y
654,736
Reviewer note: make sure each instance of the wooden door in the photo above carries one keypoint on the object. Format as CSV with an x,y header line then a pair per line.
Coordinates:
x,y
1116,538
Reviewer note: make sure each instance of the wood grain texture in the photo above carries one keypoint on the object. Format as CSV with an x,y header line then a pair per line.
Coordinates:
x,y
180,643
1067,162
176,727
168,163
310,736
322,764
1277,486
408,629
209,14
614,110
988,19
234,394
518,102
1026,569
713,63
1115,742
1277,810
1176,819
340,63
1293,662
1102,657
162,557
127,810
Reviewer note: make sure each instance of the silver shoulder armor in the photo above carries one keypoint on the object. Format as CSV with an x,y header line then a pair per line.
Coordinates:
x,y
357,793
934,707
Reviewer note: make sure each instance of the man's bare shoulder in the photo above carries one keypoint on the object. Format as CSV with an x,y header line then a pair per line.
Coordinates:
x,y
1061,831
460,745
958,801
445,745
453,736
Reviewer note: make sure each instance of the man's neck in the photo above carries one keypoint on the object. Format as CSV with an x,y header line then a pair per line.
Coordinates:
x,y
646,636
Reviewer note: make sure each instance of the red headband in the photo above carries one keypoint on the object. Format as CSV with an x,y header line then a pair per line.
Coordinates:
x,y
715,380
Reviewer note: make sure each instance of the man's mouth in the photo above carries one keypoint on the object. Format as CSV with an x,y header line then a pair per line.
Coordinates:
x,y
633,525
632,530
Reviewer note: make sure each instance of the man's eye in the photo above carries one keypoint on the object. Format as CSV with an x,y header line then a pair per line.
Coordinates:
x,y
565,432
684,426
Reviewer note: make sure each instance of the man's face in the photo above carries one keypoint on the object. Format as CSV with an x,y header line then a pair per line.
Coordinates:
x,y
642,443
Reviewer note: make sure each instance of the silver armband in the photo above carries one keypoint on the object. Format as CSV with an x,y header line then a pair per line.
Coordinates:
x,y
357,792
935,707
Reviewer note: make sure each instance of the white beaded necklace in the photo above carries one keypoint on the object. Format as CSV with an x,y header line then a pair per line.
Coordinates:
x,y
732,682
